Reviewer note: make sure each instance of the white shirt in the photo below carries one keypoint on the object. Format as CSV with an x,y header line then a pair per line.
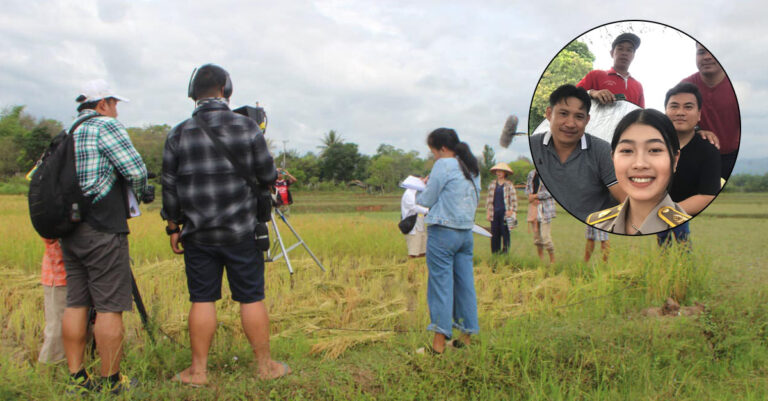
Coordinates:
x,y
409,207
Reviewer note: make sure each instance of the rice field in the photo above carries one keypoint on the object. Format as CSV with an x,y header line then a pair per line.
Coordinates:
x,y
572,330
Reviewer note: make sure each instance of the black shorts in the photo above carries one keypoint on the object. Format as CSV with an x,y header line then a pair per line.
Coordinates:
x,y
205,266
98,270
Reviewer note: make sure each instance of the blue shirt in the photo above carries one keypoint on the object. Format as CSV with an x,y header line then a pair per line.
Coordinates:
x,y
498,200
450,197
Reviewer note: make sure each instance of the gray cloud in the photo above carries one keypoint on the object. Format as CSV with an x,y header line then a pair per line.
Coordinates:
x,y
377,72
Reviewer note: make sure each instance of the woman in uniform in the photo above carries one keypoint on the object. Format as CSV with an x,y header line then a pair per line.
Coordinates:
x,y
645,150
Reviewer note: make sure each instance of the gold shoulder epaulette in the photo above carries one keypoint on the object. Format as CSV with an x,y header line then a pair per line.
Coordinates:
x,y
603,215
672,216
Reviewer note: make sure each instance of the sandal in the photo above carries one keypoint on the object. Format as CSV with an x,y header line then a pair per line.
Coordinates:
x,y
428,350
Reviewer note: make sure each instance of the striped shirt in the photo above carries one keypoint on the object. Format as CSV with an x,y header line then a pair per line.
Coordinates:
x,y
546,201
103,149
201,188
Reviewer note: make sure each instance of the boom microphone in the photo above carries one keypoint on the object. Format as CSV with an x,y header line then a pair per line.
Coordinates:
x,y
510,126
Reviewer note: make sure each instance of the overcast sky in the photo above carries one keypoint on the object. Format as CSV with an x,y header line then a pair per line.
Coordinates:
x,y
375,71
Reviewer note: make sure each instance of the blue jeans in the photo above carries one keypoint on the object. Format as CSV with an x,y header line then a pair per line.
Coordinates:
x,y
681,233
451,286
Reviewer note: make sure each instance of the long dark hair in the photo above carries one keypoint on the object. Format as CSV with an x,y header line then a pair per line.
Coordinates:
x,y
660,122
447,137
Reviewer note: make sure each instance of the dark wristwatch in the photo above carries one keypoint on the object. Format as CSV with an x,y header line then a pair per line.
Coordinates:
x,y
174,231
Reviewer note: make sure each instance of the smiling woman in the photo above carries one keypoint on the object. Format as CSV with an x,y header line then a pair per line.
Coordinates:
x,y
645,151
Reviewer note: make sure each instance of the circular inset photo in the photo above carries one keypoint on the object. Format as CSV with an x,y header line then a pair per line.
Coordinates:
x,y
634,128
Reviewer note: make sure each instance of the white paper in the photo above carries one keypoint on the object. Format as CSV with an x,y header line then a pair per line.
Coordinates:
x,y
480,230
412,182
133,204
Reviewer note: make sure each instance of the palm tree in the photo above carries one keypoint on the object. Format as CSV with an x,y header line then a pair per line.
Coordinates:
x,y
329,139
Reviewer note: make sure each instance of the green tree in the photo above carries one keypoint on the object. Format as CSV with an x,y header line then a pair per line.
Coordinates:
x,y
309,165
521,167
330,139
340,162
22,139
487,160
391,165
568,67
149,141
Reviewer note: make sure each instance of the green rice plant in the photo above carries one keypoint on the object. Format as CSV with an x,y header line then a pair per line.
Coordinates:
x,y
568,331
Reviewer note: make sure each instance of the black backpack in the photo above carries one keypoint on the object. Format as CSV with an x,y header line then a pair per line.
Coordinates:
x,y
56,202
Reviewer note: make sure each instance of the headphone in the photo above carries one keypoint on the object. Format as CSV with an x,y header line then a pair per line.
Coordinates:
x,y
226,89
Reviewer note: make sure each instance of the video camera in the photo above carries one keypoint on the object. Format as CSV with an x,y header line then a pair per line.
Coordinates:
x,y
254,113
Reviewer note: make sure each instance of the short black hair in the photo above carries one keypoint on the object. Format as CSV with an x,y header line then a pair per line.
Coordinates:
x,y
208,79
684,87
568,90
654,119
89,105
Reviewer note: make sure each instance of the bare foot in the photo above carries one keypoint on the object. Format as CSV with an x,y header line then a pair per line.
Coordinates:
x,y
194,379
465,338
274,370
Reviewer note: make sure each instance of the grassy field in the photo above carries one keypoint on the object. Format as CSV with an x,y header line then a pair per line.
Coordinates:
x,y
570,331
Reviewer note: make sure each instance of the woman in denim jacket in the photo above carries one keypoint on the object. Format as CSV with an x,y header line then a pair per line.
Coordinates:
x,y
451,194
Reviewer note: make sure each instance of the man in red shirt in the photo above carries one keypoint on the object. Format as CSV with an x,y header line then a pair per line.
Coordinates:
x,y
719,109
603,85
282,193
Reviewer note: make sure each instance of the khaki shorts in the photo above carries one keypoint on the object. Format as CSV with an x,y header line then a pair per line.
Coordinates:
x,y
417,243
98,270
543,237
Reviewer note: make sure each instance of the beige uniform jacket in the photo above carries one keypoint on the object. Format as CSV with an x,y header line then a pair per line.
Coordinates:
x,y
667,214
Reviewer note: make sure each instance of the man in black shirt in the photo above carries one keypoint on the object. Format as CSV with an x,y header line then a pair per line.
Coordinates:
x,y
697,178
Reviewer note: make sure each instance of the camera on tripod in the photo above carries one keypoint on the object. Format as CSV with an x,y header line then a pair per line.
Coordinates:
x,y
255,113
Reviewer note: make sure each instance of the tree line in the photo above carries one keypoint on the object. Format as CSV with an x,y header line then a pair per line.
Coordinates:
x,y
336,165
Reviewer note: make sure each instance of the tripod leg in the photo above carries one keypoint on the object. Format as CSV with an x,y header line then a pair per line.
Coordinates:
x,y
296,234
140,307
282,245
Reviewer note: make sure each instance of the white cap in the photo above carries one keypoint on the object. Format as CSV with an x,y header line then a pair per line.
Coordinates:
x,y
96,90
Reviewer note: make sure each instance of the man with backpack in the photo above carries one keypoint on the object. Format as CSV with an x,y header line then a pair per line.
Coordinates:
x,y
216,169
95,253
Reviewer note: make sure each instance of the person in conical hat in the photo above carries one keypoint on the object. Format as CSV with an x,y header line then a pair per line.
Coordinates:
x,y
501,207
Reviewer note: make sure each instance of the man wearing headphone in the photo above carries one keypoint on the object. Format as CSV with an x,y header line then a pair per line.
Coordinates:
x,y
211,210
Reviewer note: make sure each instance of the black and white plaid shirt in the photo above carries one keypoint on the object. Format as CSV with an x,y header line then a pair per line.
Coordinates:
x,y
201,188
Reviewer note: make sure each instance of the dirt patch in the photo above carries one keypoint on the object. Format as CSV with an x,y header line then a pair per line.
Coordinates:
x,y
369,208
673,309
365,380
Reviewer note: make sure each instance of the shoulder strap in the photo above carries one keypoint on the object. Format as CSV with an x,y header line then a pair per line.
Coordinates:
x,y
239,168
82,120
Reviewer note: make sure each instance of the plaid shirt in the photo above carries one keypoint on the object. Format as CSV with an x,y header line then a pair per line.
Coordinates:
x,y
547,202
103,149
201,188
510,198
